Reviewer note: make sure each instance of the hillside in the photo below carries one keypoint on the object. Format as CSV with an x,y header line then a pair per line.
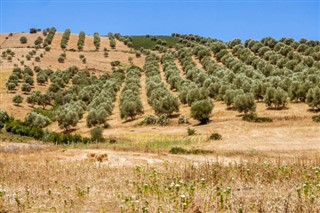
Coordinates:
x,y
292,125
177,123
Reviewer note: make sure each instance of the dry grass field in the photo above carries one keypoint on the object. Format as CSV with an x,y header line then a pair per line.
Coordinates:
x,y
256,167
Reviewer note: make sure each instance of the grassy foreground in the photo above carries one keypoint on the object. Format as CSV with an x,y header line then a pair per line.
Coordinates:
x,y
38,181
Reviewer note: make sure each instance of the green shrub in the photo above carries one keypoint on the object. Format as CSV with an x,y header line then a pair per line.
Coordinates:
x,y
150,119
179,150
17,99
34,119
61,59
316,118
254,118
23,40
115,63
182,120
4,117
163,120
191,131
215,136
96,134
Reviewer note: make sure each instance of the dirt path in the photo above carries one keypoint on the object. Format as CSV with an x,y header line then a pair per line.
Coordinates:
x,y
143,94
164,80
197,61
178,65
112,158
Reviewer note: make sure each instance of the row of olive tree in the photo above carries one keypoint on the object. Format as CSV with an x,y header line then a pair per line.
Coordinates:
x,y
96,40
130,102
65,39
159,97
112,40
243,70
49,38
81,39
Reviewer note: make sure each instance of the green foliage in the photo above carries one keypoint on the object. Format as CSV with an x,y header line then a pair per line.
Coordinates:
x,y
34,119
11,86
33,30
316,118
97,134
96,40
276,97
150,120
20,128
163,120
147,43
215,136
182,120
4,117
69,114
256,119
191,131
23,40
245,103
162,101
38,41
179,150
49,37
61,59
49,113
201,110
65,39
17,99
313,98
115,63
81,39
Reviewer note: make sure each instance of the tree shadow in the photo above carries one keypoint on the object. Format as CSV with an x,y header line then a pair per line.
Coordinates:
x,y
277,108
313,110
68,131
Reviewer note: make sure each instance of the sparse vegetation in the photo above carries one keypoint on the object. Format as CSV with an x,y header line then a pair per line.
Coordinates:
x,y
215,136
81,39
65,39
23,40
178,78
96,40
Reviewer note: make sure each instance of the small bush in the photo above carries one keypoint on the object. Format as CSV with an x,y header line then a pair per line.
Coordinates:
x,y
163,120
183,120
106,125
17,99
215,136
316,118
254,118
179,150
191,131
150,119
96,134
23,40
61,59
115,63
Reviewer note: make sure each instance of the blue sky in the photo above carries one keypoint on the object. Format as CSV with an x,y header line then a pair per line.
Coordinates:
x,y
210,18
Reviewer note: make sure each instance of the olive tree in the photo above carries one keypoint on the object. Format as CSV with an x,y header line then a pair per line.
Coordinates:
x,y
201,110
245,103
23,40
17,100
34,119
313,98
